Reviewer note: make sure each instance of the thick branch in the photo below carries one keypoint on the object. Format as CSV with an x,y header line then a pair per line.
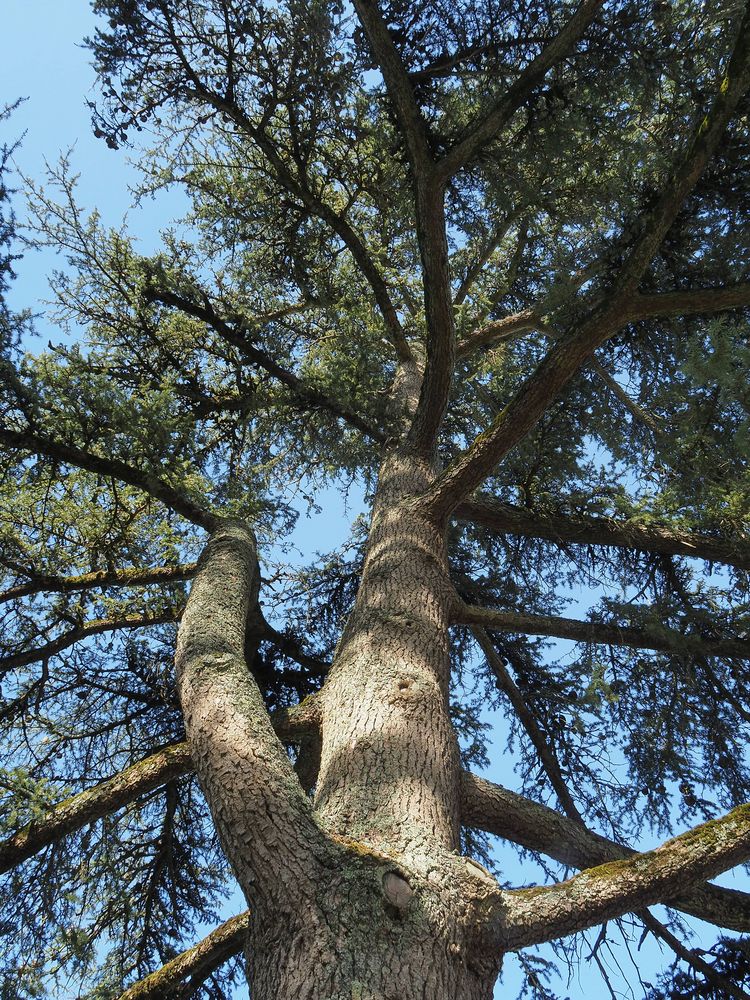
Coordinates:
x,y
431,233
85,631
40,444
690,302
137,577
499,330
245,773
497,810
197,963
685,303
87,807
306,394
398,85
298,724
661,639
532,916
563,528
488,125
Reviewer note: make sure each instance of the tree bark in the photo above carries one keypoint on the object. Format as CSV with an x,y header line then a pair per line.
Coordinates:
x,y
367,896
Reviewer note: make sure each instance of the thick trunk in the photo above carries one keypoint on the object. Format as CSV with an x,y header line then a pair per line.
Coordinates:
x,y
366,896
398,913
390,768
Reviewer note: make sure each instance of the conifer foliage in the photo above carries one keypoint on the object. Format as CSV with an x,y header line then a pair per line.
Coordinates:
x,y
484,265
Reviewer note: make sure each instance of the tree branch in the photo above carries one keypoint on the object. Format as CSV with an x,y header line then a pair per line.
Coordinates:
x,y
569,354
85,631
506,683
244,771
562,528
95,803
398,85
40,444
296,724
197,963
660,639
310,200
496,810
307,394
690,301
532,916
729,989
431,233
42,583
487,126
500,330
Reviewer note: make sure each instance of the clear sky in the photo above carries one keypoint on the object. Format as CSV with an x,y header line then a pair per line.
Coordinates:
x,y
41,59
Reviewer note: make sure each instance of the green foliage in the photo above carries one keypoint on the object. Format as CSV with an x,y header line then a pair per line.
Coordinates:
x,y
229,363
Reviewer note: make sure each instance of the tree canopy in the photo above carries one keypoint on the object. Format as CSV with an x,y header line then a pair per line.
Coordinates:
x,y
505,245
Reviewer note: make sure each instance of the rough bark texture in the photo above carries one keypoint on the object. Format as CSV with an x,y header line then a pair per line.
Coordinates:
x,y
497,810
389,768
367,898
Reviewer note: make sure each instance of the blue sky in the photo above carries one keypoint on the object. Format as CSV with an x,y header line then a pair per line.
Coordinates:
x,y
41,58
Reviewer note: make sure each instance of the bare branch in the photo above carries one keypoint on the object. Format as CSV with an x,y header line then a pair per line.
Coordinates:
x,y
40,444
197,963
297,724
692,958
89,806
497,810
660,639
244,770
564,528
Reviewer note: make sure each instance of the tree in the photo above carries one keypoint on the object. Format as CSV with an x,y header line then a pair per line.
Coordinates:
x,y
489,262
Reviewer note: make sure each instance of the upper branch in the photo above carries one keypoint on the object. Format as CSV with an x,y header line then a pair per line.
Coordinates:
x,y
489,124
490,807
561,528
529,723
569,354
301,190
307,394
691,301
72,455
532,916
399,87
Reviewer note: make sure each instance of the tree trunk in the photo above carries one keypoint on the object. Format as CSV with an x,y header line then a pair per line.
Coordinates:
x,y
398,915
367,896
390,767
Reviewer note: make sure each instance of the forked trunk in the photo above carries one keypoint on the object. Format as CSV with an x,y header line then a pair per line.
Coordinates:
x,y
361,892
